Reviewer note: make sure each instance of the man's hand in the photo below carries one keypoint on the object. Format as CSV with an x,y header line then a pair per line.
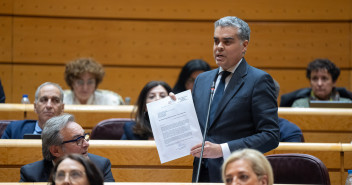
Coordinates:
x,y
211,150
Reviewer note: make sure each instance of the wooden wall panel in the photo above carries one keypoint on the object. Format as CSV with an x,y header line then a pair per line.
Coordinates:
x,y
112,42
128,82
327,137
27,78
293,79
150,175
190,10
5,37
158,43
6,80
6,6
292,45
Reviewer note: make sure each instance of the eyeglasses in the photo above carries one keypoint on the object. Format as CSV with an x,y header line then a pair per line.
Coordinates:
x,y
79,140
73,175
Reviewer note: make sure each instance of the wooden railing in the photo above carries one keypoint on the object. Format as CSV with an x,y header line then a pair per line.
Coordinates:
x,y
319,125
129,158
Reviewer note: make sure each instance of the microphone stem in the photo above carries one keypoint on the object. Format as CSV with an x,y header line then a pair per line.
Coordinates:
x,y
205,131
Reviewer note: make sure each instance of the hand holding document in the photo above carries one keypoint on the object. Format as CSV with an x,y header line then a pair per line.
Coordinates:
x,y
175,126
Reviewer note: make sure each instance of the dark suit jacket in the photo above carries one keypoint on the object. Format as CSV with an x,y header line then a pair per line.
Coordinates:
x,y
246,116
128,132
16,129
40,171
2,94
289,132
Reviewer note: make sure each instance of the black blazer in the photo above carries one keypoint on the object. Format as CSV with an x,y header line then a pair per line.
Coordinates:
x,y
246,116
40,171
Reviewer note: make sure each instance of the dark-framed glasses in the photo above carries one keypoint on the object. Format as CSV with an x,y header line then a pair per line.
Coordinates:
x,y
78,140
74,176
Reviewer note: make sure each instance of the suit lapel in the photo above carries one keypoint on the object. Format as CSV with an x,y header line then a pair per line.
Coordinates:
x,y
232,88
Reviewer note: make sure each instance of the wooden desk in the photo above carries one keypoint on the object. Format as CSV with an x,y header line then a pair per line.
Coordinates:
x,y
86,115
321,125
129,158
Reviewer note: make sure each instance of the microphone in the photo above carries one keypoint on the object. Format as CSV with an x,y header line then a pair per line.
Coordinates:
x,y
212,90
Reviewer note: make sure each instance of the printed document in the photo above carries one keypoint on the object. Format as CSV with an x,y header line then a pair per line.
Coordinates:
x,y
175,126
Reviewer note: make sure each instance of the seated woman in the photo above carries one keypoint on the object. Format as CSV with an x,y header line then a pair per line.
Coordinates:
x,y
75,169
322,74
83,77
141,128
247,167
189,73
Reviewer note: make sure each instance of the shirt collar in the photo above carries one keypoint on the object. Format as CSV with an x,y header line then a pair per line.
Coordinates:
x,y
232,69
37,129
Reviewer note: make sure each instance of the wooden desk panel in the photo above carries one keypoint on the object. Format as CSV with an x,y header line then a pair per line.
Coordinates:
x,y
129,157
90,115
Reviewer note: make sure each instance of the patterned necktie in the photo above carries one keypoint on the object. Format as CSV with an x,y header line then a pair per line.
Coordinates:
x,y
217,96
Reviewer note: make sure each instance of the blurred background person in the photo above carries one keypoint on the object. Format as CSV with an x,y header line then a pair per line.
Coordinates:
x,y
322,75
83,77
189,73
140,129
2,94
289,132
247,167
75,169
47,104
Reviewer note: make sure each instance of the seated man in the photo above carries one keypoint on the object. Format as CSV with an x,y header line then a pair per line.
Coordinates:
x,y
322,74
47,104
289,132
61,135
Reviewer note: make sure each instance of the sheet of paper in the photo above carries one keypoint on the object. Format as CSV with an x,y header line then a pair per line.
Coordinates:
x,y
175,126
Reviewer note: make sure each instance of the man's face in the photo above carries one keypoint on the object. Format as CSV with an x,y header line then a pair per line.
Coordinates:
x,y
49,104
228,48
321,83
72,131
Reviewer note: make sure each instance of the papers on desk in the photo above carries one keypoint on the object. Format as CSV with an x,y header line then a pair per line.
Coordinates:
x,y
175,126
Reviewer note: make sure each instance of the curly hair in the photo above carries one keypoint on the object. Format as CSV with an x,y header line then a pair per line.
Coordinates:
x,y
76,68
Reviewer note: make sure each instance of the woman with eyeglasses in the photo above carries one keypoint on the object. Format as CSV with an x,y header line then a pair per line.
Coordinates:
x,y
140,129
74,169
83,77
247,167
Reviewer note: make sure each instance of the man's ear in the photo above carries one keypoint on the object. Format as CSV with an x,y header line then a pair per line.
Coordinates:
x,y
35,107
56,151
245,46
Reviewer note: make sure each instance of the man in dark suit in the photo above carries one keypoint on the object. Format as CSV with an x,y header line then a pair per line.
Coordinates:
x,y
246,115
289,132
61,135
47,104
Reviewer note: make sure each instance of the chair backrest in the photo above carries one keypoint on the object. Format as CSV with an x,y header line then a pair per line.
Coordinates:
x,y
3,125
298,169
109,129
